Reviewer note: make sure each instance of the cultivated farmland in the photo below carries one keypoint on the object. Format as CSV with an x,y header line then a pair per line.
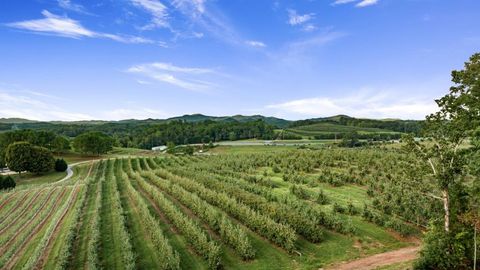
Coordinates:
x,y
284,209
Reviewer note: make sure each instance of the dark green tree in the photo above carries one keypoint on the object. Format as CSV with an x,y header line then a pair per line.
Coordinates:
x,y
7,182
18,156
95,143
60,144
351,140
42,160
60,165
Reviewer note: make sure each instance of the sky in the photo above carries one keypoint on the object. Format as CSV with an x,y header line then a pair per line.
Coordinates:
x,y
122,59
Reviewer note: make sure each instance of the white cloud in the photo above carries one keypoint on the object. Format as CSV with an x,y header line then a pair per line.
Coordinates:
x,y
157,10
195,7
309,27
366,3
297,19
341,2
66,27
54,24
254,43
360,3
28,107
377,105
184,77
69,5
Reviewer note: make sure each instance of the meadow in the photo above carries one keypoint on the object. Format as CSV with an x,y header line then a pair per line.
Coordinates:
x,y
282,208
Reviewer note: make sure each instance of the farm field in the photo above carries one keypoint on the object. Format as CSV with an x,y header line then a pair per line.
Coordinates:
x,y
284,209
322,129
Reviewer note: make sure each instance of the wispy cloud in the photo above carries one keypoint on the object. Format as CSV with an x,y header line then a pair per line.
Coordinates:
x,y
65,27
362,104
366,3
254,43
359,3
188,78
341,2
157,10
210,20
309,27
196,6
69,5
296,19
32,107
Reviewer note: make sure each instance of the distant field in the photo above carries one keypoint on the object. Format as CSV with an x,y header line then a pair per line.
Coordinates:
x,y
329,128
232,210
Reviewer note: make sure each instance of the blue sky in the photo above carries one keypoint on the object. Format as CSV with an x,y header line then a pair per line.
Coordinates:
x,y
119,59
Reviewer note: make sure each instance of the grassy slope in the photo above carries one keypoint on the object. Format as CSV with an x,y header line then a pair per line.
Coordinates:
x,y
329,128
30,179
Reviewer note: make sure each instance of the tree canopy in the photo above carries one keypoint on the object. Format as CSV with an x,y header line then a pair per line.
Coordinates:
x,y
95,143
447,131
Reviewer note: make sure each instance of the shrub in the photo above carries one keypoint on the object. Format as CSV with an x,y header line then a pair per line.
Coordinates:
x,y
60,165
322,198
445,251
7,182
338,208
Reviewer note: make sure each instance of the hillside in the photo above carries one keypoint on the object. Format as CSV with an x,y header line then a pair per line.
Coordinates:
x,y
278,122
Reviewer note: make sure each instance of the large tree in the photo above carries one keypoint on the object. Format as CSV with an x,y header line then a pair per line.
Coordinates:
x,y
446,153
93,143
18,156
42,160
60,144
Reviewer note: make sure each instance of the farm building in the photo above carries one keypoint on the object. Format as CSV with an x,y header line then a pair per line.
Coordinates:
x,y
159,148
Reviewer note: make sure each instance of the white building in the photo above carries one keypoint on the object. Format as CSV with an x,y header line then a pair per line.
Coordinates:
x,y
159,148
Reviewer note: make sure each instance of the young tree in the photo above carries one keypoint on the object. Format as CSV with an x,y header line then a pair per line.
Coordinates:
x,y
447,130
18,156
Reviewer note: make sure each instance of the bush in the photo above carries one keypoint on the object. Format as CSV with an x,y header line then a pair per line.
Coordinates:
x,y
60,165
322,198
7,182
446,251
338,208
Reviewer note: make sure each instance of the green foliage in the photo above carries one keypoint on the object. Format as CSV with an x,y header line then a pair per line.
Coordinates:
x,y
350,140
42,160
60,144
322,198
19,156
60,165
22,156
96,143
7,182
443,251
457,120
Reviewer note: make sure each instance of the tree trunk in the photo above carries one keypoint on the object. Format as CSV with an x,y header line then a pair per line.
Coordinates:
x,y
475,251
446,208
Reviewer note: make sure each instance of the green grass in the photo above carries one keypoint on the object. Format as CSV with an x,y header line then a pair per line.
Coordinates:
x,y
335,128
34,179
